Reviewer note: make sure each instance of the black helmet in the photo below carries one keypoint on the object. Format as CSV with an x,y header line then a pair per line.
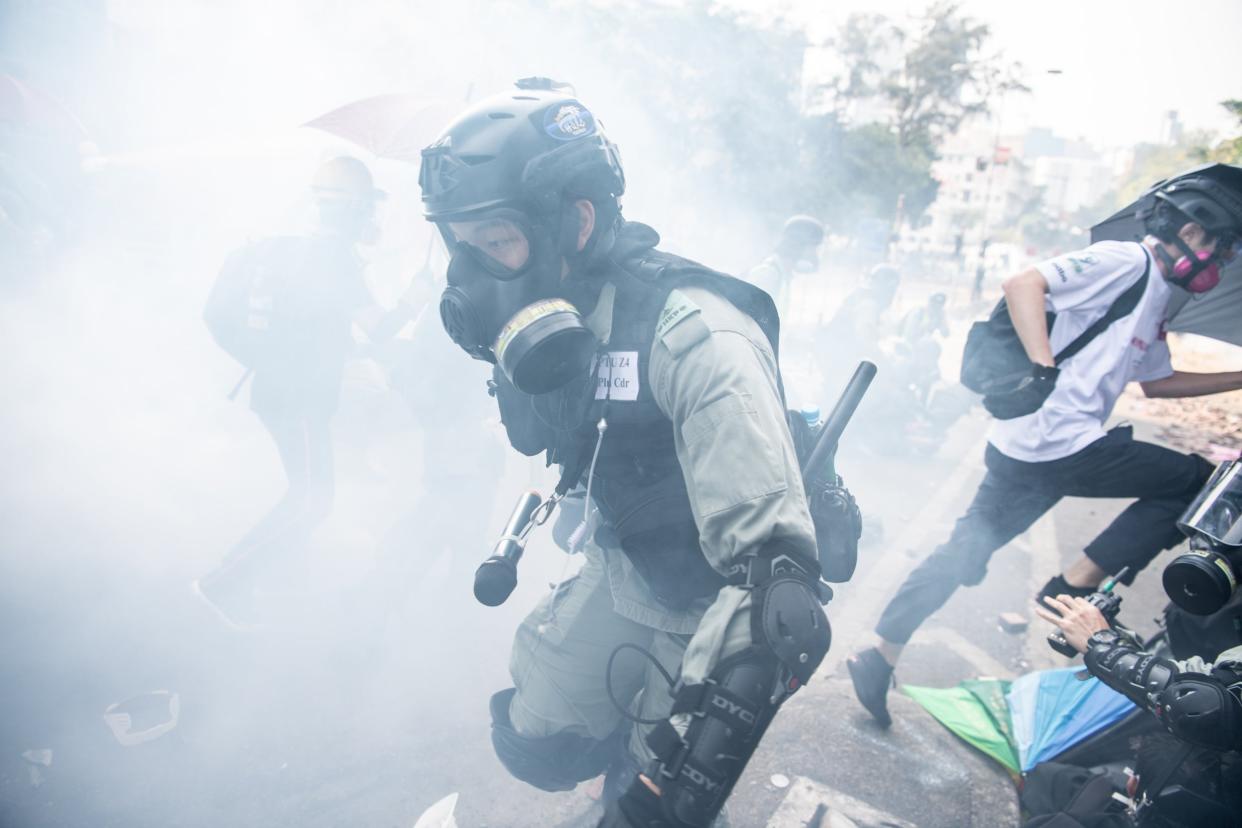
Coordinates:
x,y
525,149
803,230
883,275
1210,196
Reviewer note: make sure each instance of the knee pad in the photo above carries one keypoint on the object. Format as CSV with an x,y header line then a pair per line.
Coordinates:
x,y
550,763
732,709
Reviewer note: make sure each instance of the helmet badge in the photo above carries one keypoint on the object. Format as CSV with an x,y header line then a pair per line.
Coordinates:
x,y
568,121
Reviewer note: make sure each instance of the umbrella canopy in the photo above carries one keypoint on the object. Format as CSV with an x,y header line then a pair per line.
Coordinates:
x,y
975,712
1053,710
390,126
1036,718
25,107
1215,314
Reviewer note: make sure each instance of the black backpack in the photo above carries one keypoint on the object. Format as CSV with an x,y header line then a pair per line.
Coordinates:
x,y
995,364
244,299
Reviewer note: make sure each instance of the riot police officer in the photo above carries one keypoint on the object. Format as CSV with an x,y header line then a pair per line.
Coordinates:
x,y
651,382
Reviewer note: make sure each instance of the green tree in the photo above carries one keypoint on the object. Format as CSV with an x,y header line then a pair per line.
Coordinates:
x,y
726,88
1229,151
730,88
924,81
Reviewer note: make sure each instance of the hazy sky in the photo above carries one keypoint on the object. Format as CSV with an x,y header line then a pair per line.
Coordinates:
x,y
1124,64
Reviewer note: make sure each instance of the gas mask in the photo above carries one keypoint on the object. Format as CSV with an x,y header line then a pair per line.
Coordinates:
x,y
506,301
1198,274
353,220
807,260
1203,580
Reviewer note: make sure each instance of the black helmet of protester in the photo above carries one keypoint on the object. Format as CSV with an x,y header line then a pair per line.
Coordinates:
x,y
800,239
528,149
1210,196
803,230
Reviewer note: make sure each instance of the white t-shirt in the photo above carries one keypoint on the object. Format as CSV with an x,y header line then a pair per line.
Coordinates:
x,y
1081,287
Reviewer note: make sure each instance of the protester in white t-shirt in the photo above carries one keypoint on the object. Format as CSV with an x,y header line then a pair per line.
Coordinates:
x,y
1081,287
1063,449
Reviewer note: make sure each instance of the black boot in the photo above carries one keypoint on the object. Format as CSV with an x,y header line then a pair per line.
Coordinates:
x,y
872,676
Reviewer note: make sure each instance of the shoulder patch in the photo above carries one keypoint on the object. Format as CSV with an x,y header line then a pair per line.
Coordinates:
x,y
681,324
676,309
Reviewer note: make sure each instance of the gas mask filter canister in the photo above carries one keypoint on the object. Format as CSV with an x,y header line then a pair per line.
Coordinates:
x,y
1203,580
544,346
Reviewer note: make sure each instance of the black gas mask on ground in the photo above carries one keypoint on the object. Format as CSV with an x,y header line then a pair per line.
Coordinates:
x,y
507,302
1203,580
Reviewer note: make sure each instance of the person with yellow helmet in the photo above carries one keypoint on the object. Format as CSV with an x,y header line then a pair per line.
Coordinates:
x,y
285,307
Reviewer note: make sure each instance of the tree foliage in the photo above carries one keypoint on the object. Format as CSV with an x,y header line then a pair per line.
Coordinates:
x,y
731,88
1229,151
900,92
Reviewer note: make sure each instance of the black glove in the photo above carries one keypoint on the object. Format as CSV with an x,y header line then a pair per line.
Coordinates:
x,y
1026,397
838,527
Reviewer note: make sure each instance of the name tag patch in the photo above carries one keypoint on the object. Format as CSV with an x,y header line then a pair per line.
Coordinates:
x,y
616,376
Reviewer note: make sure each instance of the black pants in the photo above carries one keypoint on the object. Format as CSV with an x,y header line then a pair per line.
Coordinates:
x,y
304,441
1014,494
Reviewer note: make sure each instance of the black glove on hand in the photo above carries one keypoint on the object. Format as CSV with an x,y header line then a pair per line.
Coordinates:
x,y
1026,397
838,527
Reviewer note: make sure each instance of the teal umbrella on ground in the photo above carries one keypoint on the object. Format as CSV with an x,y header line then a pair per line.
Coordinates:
x,y
1053,710
1035,718
976,712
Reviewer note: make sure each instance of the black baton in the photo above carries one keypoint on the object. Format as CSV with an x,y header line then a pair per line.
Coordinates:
x,y
834,426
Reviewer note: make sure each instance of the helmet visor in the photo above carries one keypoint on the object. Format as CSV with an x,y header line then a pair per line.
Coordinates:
x,y
501,242
1216,511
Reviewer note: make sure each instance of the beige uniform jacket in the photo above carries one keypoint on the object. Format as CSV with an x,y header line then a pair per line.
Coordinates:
x,y
1197,665
713,373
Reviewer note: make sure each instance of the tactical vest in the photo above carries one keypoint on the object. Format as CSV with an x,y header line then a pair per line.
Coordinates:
x,y
638,486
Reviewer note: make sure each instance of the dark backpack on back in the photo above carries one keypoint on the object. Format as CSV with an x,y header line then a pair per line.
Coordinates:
x,y
995,364
245,297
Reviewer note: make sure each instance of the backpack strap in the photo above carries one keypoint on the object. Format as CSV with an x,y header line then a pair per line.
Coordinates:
x,y
1123,305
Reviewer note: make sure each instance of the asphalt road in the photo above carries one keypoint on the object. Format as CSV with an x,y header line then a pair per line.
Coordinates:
x,y
353,714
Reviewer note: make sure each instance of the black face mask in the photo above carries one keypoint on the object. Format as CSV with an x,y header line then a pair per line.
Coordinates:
x,y
517,318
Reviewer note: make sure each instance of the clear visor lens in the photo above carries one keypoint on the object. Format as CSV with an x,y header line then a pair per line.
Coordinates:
x,y
501,241
1217,510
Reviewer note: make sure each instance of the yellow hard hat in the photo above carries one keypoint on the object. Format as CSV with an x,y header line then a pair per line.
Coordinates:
x,y
346,179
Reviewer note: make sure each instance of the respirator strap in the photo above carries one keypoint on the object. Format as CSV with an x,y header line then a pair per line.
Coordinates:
x,y
567,230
